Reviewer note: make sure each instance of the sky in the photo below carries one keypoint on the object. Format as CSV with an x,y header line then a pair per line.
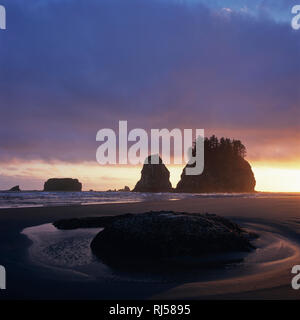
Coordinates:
x,y
69,68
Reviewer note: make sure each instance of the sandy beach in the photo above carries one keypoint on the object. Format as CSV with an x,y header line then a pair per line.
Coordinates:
x,y
277,219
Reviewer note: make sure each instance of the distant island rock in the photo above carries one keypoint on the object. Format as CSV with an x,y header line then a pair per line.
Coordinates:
x,y
125,189
155,177
225,169
62,184
155,237
15,189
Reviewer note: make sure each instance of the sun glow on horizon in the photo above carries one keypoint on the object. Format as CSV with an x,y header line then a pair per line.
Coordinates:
x,y
270,177
274,179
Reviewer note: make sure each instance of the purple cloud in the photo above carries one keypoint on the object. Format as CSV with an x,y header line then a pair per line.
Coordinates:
x,y
70,68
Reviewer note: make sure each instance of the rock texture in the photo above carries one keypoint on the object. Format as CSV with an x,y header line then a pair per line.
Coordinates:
x,y
154,177
156,236
225,170
15,189
88,222
65,184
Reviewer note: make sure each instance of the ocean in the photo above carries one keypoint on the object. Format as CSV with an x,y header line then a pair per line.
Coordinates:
x,y
46,199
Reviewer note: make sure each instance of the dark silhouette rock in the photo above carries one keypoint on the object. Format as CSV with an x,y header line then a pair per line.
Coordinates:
x,y
155,176
125,189
88,222
15,189
159,236
64,184
225,169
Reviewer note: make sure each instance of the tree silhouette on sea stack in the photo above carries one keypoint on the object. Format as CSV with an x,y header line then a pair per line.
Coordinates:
x,y
225,169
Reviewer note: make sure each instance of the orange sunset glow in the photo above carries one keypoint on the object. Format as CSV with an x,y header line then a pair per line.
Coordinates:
x,y
280,177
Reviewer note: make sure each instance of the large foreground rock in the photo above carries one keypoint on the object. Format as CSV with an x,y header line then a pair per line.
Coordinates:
x,y
88,222
157,236
155,177
65,184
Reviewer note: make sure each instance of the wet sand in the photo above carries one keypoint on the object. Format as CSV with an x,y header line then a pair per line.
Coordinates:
x,y
279,217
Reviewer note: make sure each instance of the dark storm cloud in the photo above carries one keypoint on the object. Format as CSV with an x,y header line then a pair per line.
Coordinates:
x,y
69,68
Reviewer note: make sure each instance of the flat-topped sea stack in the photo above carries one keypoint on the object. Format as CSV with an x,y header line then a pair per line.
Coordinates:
x,y
155,176
225,169
62,184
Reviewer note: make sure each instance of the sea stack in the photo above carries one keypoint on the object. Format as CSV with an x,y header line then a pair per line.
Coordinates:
x,y
64,184
225,169
15,189
125,189
155,177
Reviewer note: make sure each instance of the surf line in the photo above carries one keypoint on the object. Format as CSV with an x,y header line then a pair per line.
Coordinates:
x,y
120,310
